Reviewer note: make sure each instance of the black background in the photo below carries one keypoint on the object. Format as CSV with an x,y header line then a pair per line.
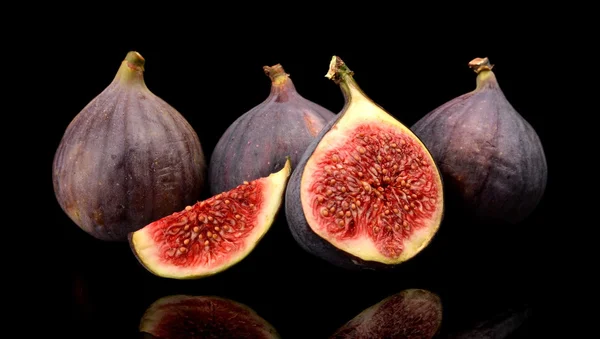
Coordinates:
x,y
211,79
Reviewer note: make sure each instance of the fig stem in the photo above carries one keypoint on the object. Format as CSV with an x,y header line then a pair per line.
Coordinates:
x,y
340,74
132,69
480,64
338,70
276,73
483,68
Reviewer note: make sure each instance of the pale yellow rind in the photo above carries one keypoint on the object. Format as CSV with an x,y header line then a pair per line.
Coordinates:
x,y
148,254
362,111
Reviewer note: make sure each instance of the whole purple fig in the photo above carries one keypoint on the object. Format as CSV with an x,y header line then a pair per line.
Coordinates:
x,y
258,142
127,159
491,158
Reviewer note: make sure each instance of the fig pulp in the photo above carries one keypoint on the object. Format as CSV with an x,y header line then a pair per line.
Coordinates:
x,y
366,192
491,158
126,159
191,317
412,313
214,234
259,141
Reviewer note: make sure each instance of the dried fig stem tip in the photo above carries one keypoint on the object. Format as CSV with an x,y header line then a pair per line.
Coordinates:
x,y
483,69
338,70
341,75
276,73
480,64
135,60
131,71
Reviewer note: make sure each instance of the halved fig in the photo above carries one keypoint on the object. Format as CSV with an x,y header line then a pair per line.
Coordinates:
x,y
367,192
214,234
190,317
412,313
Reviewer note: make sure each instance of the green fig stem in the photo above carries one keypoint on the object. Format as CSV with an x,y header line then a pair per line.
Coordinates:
x,y
343,76
277,74
483,68
281,84
131,71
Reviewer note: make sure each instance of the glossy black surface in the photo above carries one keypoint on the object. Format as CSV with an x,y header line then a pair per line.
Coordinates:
x,y
99,288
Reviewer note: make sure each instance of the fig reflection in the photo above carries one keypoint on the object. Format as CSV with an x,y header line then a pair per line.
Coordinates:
x,y
185,316
499,326
411,313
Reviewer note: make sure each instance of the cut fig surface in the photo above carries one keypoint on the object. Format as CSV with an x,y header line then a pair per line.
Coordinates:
x,y
214,234
386,191
190,317
367,186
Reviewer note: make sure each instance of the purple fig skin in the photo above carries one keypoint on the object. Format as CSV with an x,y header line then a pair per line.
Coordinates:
x,y
127,159
258,142
490,156
410,314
